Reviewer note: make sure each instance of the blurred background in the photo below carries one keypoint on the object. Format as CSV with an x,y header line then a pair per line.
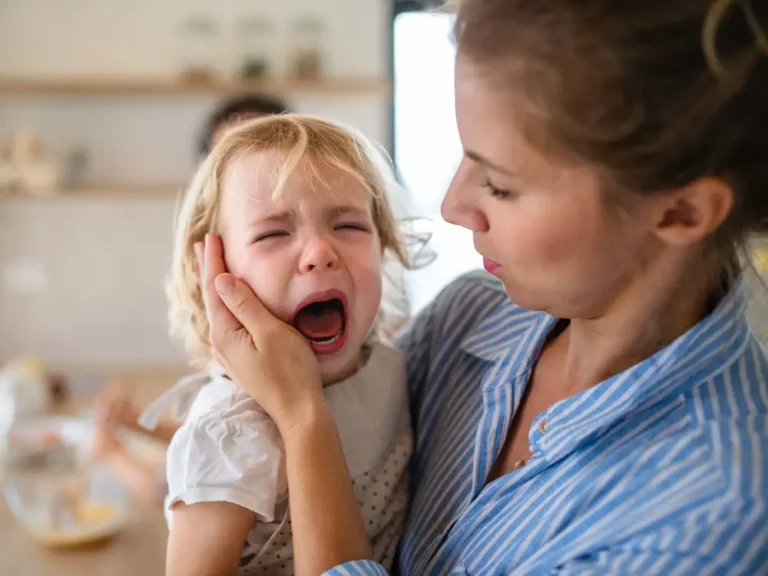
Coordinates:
x,y
102,106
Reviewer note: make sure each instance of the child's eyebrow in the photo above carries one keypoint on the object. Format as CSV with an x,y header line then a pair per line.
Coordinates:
x,y
273,218
348,210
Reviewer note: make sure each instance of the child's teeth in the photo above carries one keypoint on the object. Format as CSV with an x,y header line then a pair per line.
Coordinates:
x,y
330,340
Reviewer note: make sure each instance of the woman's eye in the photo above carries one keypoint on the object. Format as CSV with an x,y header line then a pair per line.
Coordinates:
x,y
272,234
352,226
497,192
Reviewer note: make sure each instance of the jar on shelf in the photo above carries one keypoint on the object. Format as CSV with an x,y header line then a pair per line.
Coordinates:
x,y
258,42
200,41
308,48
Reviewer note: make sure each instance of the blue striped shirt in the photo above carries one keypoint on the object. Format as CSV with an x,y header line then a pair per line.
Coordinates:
x,y
661,469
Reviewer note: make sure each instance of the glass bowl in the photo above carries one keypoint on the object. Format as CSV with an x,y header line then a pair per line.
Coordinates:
x,y
55,494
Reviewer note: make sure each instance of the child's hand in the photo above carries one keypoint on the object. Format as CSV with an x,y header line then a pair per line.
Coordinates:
x,y
104,442
115,408
269,359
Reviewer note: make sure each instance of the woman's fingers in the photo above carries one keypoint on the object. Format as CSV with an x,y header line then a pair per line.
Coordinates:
x,y
219,316
248,310
199,248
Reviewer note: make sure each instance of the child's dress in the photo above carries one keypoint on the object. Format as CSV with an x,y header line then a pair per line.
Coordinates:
x,y
229,450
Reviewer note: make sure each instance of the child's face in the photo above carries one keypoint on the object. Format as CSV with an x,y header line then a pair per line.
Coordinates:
x,y
315,243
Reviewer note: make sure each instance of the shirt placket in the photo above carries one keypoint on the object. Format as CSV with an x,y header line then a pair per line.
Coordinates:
x,y
499,405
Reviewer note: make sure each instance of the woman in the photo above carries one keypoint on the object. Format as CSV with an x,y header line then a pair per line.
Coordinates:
x,y
601,409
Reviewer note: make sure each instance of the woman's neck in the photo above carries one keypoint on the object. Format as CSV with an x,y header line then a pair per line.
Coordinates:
x,y
648,314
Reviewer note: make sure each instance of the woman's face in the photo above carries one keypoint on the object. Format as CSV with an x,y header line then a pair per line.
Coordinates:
x,y
543,226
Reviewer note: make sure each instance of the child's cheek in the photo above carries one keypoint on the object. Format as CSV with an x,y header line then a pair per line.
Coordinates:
x,y
268,278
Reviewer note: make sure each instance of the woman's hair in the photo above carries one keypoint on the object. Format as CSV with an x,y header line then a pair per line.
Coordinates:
x,y
653,93
304,142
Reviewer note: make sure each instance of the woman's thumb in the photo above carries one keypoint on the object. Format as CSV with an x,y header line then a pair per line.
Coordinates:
x,y
225,284
242,303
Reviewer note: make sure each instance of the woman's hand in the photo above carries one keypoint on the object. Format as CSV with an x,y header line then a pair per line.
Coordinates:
x,y
270,360
275,365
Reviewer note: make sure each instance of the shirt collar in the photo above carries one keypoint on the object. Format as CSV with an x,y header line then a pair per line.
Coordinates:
x,y
704,351
511,338
501,330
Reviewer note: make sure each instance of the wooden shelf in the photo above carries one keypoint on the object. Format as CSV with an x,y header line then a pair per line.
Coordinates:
x,y
102,192
179,87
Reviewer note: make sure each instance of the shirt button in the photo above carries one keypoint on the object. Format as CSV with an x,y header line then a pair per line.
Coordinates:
x,y
519,464
543,425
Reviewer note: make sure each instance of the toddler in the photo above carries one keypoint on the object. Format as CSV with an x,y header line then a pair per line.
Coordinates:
x,y
301,205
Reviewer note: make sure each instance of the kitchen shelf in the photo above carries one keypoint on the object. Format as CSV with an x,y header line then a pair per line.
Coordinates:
x,y
102,192
177,87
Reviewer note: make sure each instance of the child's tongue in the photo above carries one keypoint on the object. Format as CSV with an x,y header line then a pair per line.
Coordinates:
x,y
319,323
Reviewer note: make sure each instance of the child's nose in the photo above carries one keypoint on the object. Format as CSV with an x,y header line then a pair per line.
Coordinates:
x,y
318,254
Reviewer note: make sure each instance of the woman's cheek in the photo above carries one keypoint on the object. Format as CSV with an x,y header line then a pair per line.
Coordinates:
x,y
550,233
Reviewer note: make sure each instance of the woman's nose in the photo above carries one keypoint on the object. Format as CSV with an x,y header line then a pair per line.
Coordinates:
x,y
460,207
318,254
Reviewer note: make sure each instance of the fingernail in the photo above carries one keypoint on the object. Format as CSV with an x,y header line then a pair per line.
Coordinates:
x,y
225,283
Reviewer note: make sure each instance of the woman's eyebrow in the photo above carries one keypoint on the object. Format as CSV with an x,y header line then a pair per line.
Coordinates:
x,y
484,161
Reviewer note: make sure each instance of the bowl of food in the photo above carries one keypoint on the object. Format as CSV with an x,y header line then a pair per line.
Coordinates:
x,y
55,492
67,511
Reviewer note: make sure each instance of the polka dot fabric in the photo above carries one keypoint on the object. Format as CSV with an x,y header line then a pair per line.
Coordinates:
x,y
382,494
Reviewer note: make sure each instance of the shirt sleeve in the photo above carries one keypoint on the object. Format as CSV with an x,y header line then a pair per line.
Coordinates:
x,y
237,459
358,568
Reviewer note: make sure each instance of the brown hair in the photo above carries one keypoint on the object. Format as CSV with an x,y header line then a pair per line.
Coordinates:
x,y
654,93
304,141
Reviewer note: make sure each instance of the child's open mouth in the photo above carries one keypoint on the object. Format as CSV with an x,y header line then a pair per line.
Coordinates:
x,y
323,322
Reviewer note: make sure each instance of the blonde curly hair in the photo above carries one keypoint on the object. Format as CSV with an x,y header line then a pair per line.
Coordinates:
x,y
300,139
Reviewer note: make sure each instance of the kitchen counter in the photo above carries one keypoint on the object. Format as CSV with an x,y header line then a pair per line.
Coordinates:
x,y
138,549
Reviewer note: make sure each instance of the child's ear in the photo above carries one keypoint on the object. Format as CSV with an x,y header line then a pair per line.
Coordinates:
x,y
690,214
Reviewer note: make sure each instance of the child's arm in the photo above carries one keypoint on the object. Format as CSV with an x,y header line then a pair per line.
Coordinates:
x,y
114,406
145,479
164,430
207,539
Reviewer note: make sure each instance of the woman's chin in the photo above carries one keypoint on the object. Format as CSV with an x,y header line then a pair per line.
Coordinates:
x,y
525,297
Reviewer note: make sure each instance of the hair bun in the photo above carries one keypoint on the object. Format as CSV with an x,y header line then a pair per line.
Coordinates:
x,y
713,22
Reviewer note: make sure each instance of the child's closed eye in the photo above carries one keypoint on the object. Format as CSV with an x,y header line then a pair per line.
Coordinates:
x,y
352,226
272,234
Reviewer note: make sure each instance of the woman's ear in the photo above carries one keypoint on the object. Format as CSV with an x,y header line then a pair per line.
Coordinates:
x,y
690,214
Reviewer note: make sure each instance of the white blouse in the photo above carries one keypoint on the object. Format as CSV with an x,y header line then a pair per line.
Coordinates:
x,y
229,450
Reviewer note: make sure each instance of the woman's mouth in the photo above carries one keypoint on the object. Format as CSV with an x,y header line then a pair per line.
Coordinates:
x,y
490,265
323,322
